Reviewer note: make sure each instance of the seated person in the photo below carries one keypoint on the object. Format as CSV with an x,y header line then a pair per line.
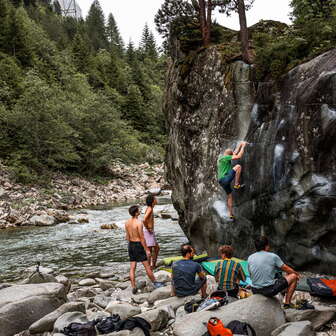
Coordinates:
x,y
228,273
184,282
263,267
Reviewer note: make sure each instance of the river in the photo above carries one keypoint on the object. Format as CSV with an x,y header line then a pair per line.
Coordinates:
x,y
78,249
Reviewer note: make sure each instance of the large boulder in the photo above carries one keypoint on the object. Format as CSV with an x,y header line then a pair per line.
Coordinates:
x,y
289,168
303,328
124,310
263,314
47,322
39,277
68,318
318,317
159,294
42,220
22,305
157,318
176,302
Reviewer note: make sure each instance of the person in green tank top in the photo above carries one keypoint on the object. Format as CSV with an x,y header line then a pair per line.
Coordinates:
x,y
227,173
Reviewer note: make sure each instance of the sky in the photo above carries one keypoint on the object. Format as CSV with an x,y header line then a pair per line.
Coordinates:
x,y
131,16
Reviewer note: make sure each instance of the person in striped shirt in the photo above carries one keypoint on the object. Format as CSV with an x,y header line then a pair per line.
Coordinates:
x,y
228,272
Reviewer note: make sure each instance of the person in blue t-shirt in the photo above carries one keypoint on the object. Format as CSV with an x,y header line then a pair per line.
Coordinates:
x,y
264,266
184,274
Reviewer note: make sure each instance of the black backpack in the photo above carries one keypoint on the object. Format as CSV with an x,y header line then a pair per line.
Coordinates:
x,y
109,324
241,328
80,329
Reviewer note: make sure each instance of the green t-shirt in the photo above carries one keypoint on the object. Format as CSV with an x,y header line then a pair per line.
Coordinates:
x,y
224,165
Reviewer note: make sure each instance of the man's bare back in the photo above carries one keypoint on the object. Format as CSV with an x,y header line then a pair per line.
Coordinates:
x,y
133,230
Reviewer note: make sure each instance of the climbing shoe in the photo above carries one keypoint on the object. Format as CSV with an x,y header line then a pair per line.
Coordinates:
x,y
134,290
158,284
238,186
232,217
290,306
304,305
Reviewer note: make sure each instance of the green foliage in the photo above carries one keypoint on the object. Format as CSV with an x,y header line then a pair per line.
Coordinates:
x,y
69,98
280,50
304,11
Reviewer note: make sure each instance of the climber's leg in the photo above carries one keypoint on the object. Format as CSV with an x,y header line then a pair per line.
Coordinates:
x,y
230,205
225,183
237,168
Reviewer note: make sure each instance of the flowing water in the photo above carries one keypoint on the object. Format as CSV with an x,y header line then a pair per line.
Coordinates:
x,y
77,249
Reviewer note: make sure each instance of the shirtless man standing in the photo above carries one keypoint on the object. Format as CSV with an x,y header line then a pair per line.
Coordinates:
x,y
137,247
149,233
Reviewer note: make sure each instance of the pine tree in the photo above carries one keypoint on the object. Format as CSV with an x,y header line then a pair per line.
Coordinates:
x,y
81,52
114,37
151,49
148,44
134,108
5,25
95,23
130,53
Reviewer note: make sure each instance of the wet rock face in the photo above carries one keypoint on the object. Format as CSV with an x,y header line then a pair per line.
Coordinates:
x,y
289,169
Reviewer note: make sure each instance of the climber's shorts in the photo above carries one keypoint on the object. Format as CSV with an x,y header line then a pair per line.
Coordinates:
x,y
225,182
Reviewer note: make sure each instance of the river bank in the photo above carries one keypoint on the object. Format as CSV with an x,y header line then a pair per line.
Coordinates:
x,y
22,205
54,301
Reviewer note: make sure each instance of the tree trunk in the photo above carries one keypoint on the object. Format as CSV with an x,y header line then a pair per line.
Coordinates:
x,y
208,24
202,18
244,32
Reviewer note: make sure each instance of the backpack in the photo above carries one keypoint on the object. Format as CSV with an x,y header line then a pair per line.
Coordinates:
x,y
241,328
109,324
216,328
80,329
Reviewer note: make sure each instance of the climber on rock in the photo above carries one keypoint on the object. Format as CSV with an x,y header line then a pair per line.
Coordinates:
x,y
227,173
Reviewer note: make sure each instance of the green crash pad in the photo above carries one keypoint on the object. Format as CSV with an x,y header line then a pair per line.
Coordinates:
x,y
210,266
169,261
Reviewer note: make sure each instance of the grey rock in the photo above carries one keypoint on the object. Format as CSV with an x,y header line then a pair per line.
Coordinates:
x,y
47,322
93,314
157,318
105,284
159,294
85,292
154,191
163,276
263,314
102,300
30,303
134,332
176,302
125,310
318,317
67,318
291,127
303,328
2,192
87,282
107,273
140,298
37,278
64,281
42,220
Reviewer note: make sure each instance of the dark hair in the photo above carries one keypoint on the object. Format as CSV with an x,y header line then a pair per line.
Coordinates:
x,y
185,249
227,250
133,210
150,199
261,243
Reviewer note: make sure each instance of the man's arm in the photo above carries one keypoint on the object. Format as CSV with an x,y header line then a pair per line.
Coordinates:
x,y
241,273
241,151
289,270
238,149
142,237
